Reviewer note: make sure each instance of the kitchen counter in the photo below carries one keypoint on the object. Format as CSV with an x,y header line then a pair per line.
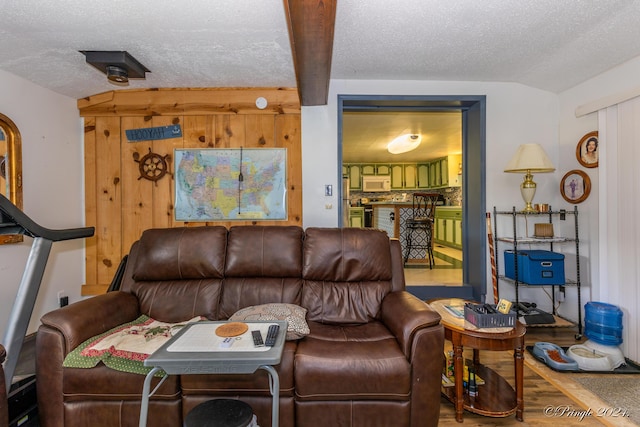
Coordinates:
x,y
391,216
390,202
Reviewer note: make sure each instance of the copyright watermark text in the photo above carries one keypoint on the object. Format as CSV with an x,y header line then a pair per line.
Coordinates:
x,y
567,411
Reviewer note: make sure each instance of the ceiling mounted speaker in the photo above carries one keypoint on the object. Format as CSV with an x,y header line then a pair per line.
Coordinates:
x,y
118,66
117,74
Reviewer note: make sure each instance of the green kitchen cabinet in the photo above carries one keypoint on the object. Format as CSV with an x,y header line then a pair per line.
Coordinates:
x,y
404,176
368,169
356,217
410,176
355,177
383,169
448,226
397,176
444,172
423,176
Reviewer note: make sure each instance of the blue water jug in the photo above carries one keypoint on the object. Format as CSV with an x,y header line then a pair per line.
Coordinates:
x,y
603,323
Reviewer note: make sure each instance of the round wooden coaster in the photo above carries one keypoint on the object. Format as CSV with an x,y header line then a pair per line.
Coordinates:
x,y
232,329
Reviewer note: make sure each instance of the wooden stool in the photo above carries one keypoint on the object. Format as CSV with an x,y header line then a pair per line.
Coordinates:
x,y
220,413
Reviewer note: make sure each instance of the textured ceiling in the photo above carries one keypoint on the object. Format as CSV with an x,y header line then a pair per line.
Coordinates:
x,y
547,44
365,136
198,43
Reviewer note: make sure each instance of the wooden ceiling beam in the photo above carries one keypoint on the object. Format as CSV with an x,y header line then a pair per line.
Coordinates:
x,y
311,26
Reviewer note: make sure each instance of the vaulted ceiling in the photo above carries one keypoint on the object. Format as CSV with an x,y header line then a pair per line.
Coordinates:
x,y
551,45
547,44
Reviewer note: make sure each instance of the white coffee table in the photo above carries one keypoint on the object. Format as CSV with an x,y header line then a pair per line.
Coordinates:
x,y
196,349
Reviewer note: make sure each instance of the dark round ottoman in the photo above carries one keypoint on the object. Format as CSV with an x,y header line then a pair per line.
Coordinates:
x,y
220,413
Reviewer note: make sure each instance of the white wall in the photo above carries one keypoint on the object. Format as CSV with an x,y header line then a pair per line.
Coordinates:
x,y
617,80
52,164
515,114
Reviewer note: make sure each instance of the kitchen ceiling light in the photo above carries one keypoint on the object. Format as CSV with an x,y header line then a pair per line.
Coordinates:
x,y
404,143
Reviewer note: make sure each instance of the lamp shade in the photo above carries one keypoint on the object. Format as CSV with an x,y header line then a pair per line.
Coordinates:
x,y
530,157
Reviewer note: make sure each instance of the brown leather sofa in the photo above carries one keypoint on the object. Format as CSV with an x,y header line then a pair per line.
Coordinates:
x,y
373,358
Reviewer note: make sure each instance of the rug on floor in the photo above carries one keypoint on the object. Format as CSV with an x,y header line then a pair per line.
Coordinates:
x,y
622,394
587,399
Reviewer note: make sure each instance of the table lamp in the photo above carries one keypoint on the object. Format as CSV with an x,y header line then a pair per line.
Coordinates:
x,y
529,158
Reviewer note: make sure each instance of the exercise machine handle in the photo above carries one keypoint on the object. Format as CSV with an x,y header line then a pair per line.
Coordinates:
x,y
14,221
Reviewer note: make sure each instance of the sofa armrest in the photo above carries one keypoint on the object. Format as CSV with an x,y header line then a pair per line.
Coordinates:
x,y
404,314
84,319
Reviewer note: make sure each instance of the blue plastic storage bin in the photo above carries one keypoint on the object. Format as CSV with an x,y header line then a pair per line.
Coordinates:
x,y
535,267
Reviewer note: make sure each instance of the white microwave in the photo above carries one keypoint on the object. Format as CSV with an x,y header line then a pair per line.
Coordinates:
x,y
372,184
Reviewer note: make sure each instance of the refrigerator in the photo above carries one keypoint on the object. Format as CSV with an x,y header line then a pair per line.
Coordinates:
x,y
346,201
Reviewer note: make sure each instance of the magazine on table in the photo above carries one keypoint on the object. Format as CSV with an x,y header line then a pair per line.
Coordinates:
x,y
456,310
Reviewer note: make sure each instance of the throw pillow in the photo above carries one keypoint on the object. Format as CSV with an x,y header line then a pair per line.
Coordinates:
x,y
294,315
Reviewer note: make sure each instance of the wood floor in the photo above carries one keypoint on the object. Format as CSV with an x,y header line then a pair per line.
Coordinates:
x,y
538,393
446,271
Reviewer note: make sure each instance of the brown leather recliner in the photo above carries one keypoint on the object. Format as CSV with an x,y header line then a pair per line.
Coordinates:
x,y
373,358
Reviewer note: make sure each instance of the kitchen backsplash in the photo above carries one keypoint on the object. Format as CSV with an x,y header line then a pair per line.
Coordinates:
x,y
452,196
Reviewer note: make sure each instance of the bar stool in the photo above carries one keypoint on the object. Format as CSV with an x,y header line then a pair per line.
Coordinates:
x,y
221,413
419,228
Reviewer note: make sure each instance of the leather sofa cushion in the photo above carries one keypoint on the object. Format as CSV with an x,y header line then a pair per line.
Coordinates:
x,y
264,251
175,300
343,302
241,292
347,273
351,369
372,331
346,255
181,253
244,384
102,383
263,265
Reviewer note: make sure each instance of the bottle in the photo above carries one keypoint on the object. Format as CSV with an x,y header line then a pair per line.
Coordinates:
x,y
473,387
450,364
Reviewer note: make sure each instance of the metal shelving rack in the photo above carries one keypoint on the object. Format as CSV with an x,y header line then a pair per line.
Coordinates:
x,y
515,241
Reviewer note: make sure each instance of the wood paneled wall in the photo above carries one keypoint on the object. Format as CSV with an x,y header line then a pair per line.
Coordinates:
x,y
121,206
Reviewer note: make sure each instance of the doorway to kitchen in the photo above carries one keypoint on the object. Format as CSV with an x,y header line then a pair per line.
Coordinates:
x,y
472,238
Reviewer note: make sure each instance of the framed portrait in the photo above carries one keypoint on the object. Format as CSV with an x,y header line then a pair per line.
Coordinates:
x,y
575,186
587,150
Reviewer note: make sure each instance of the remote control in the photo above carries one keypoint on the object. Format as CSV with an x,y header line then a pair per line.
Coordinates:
x,y
272,334
257,338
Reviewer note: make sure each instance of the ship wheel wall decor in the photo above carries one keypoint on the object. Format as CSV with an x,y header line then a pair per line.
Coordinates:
x,y
152,166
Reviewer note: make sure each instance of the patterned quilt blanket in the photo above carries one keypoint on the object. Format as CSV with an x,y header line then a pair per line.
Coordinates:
x,y
125,347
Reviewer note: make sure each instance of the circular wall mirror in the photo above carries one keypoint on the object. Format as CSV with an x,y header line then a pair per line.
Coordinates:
x,y
10,168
